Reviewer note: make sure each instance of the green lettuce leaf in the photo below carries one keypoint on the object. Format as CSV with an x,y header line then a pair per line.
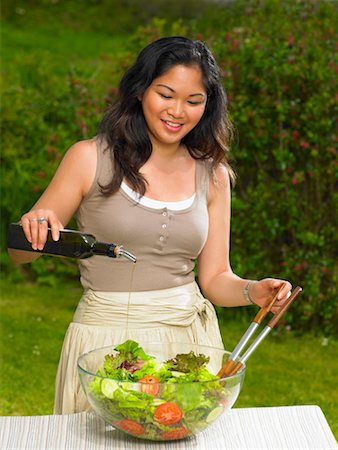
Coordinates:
x,y
130,357
187,362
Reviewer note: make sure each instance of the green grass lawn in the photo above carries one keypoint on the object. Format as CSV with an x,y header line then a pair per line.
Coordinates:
x,y
33,323
284,370
62,47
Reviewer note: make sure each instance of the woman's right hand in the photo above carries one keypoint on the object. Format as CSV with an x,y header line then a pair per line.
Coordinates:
x,y
35,225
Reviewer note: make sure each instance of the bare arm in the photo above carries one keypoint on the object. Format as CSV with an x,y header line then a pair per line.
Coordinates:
x,y
218,282
60,200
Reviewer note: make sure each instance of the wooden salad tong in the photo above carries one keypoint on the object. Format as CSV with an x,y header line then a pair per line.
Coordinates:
x,y
235,362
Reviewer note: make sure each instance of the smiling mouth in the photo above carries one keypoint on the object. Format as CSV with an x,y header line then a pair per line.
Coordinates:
x,y
172,125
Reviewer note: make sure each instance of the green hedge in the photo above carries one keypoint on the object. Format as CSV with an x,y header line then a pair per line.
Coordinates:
x,y
279,71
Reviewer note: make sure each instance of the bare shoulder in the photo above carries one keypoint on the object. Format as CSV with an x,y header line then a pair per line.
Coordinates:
x,y
83,151
222,175
219,183
80,163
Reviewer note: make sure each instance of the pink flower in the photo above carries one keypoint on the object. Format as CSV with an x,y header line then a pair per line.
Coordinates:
x,y
300,266
295,135
291,41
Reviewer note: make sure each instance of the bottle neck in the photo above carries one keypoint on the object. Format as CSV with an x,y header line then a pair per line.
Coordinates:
x,y
112,250
101,248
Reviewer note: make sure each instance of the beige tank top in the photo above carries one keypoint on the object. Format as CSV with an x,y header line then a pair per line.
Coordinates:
x,y
166,242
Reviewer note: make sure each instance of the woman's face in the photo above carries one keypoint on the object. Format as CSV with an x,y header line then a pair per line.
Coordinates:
x,y
174,103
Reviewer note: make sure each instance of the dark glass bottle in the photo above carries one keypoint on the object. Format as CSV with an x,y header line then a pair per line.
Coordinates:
x,y
71,244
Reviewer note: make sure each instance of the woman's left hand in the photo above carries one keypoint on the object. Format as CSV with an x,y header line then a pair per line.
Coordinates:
x,y
263,291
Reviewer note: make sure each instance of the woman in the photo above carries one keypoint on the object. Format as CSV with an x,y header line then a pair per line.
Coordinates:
x,y
157,179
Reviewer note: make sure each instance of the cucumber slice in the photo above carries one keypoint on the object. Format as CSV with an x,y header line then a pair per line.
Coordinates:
x,y
214,413
108,387
158,401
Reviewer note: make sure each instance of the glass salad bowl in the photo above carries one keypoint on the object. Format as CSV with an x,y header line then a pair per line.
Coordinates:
x,y
158,391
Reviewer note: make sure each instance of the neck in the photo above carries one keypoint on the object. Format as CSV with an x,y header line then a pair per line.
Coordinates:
x,y
168,149
164,157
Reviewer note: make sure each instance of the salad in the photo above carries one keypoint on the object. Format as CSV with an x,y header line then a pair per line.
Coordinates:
x,y
158,400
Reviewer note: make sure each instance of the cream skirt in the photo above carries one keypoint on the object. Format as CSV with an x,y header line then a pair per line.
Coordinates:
x,y
179,314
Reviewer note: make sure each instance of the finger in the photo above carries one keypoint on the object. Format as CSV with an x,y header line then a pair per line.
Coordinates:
x,y
39,227
276,308
26,227
42,231
280,303
286,291
282,285
55,226
34,230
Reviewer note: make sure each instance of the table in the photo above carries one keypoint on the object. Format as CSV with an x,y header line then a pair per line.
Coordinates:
x,y
267,428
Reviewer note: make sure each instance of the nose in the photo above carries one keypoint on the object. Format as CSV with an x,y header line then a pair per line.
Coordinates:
x,y
176,109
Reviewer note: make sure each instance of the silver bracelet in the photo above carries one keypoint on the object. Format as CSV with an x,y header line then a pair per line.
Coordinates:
x,y
246,293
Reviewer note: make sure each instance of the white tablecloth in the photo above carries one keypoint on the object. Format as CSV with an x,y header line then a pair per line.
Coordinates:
x,y
282,428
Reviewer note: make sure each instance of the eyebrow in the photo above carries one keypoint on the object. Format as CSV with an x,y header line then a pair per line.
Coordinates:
x,y
172,90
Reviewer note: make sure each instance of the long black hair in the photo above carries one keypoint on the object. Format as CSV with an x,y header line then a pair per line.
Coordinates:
x,y
124,126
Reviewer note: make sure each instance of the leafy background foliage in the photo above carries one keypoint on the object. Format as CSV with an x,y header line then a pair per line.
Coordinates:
x,y
61,65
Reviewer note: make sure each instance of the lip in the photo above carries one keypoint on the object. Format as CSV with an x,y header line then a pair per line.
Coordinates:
x,y
168,126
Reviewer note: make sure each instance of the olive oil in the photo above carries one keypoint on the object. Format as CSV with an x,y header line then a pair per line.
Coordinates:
x,y
129,295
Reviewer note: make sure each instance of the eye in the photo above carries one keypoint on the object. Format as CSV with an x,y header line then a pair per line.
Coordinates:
x,y
164,96
191,102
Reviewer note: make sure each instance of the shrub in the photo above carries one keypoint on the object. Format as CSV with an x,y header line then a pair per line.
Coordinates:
x,y
279,70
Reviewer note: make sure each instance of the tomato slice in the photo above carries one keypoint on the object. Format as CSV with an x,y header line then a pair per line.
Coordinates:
x,y
224,403
168,413
149,387
175,433
130,426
